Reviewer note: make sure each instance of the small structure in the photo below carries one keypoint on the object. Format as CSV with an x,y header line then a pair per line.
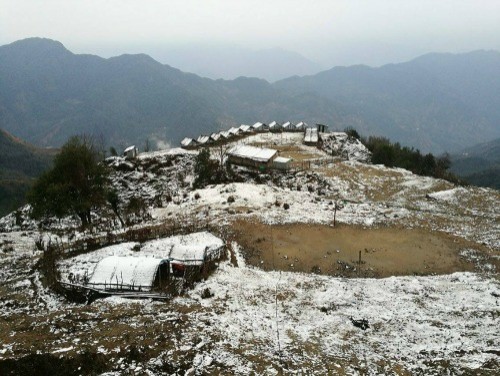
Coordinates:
x,y
259,127
126,269
251,156
214,137
311,137
203,140
189,143
282,163
130,152
300,126
245,128
288,127
225,135
275,127
322,128
234,131
119,273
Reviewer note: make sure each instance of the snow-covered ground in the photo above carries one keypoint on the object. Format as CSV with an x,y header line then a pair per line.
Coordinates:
x,y
419,325
271,322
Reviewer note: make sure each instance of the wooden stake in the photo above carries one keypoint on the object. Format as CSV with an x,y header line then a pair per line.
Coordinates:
x,y
359,264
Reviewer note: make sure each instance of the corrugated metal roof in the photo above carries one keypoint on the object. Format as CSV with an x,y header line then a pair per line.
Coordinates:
x,y
253,153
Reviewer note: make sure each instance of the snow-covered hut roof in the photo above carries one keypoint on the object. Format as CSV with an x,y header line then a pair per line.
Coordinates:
x,y
288,126
245,128
130,148
300,126
258,126
253,153
126,271
203,139
189,249
188,142
274,125
234,130
215,136
225,134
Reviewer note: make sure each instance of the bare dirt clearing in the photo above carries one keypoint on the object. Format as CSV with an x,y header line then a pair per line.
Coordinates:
x,y
335,251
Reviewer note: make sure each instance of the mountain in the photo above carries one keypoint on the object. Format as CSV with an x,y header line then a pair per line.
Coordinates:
x,y
229,63
49,94
20,163
435,103
479,165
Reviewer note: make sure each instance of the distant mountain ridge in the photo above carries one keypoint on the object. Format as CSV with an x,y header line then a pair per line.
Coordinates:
x,y
48,94
229,63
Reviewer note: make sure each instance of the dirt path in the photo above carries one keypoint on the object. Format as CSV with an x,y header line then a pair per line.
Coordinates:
x,y
335,251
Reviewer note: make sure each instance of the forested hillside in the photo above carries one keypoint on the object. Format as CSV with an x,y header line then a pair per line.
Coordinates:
x,y
19,164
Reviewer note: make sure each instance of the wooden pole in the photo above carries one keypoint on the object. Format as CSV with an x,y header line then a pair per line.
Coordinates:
x,y
359,264
335,215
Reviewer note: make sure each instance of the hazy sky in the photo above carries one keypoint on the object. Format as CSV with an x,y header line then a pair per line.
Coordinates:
x,y
329,32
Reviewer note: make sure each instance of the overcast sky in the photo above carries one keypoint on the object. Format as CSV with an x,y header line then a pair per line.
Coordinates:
x,y
330,32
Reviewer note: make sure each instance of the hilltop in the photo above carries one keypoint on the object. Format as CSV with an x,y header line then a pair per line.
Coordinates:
x,y
290,293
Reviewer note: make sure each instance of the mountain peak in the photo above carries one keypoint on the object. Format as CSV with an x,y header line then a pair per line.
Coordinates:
x,y
38,43
34,48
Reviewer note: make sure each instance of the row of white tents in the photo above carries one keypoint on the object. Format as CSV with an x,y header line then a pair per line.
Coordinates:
x,y
243,130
